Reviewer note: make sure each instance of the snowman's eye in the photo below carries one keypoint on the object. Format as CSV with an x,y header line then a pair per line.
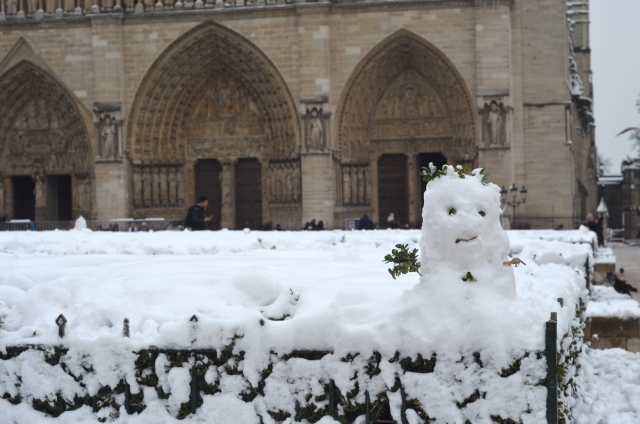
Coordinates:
x,y
452,211
481,213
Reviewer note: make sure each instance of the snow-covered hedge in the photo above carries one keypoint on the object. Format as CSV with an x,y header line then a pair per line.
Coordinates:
x,y
300,327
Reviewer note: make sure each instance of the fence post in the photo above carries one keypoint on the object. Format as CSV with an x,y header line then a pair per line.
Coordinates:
x,y
127,397
61,404
297,417
125,328
367,408
194,387
403,407
94,403
332,401
588,274
61,322
550,352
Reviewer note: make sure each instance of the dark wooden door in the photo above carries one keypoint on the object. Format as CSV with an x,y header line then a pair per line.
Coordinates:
x,y
24,198
392,189
208,184
424,159
248,185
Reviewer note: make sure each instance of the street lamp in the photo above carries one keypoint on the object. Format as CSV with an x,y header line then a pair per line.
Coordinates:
x,y
514,203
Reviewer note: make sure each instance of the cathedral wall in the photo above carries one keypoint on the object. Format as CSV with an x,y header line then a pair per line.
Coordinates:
x,y
514,55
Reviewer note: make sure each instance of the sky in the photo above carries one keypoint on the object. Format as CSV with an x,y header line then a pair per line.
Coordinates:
x,y
615,61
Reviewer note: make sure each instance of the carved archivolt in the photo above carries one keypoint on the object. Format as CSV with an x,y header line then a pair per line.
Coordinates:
x,y
214,76
404,88
42,133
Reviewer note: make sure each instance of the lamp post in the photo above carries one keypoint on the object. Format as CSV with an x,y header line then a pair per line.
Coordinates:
x,y
514,202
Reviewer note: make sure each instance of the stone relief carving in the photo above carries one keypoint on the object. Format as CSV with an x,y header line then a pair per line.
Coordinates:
x,y
315,124
285,182
493,118
392,97
108,119
238,100
247,146
41,134
356,185
226,187
158,184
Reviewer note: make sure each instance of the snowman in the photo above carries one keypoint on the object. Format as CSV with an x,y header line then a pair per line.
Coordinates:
x,y
464,248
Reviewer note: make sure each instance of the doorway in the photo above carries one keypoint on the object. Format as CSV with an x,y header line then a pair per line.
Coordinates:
x,y
424,159
24,198
248,190
392,190
208,184
59,198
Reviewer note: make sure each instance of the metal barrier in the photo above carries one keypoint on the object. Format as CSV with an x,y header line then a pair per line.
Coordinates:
x,y
116,225
545,222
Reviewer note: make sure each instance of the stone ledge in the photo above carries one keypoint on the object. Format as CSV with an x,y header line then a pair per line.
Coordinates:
x,y
609,332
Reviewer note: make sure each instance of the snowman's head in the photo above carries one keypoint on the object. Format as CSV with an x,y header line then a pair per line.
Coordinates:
x,y
461,221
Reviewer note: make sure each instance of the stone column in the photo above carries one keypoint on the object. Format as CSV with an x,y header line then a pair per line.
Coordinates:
x,y
42,212
3,211
412,188
227,219
374,188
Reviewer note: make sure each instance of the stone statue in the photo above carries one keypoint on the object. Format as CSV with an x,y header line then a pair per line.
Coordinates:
x,y
296,183
494,123
146,187
361,185
315,139
289,183
171,179
180,184
2,210
108,138
137,188
225,186
346,186
32,7
12,7
354,184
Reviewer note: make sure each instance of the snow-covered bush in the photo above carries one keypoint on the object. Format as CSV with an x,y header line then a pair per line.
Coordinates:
x,y
296,337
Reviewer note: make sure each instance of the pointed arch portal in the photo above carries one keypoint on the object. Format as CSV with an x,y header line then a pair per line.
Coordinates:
x,y
46,166
213,95
404,102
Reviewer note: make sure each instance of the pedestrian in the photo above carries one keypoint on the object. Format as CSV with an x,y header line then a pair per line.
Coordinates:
x,y
320,226
599,229
132,228
365,223
196,218
391,221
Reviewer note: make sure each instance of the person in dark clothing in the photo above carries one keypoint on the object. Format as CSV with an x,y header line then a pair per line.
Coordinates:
x,y
320,226
365,223
310,226
599,233
199,219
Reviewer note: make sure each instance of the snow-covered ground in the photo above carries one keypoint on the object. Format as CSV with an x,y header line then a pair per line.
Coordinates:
x,y
461,342
610,382
331,288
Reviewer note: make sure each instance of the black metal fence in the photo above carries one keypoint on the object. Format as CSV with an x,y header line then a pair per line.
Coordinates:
x,y
94,225
545,222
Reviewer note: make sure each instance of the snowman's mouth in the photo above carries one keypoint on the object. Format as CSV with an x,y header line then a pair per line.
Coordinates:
x,y
458,240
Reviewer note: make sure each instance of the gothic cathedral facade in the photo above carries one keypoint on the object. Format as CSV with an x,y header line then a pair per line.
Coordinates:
x,y
286,111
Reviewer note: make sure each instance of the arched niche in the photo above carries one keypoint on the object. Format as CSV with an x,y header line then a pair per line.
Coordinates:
x,y
405,97
43,138
212,95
